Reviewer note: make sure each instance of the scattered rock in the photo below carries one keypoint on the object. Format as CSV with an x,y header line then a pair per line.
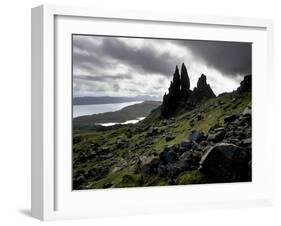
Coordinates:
x,y
247,111
216,137
105,149
169,137
168,156
197,136
231,118
148,164
199,117
247,142
152,131
185,145
225,162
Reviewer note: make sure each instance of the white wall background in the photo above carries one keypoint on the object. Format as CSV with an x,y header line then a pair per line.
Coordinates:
x,y
15,112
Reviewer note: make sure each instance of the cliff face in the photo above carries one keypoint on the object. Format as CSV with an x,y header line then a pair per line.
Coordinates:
x,y
179,91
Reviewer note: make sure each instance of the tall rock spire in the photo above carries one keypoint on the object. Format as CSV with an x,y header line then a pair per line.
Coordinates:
x,y
176,83
171,99
185,83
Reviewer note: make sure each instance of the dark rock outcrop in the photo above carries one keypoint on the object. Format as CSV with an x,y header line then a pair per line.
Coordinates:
x,y
202,91
185,83
246,84
179,91
171,100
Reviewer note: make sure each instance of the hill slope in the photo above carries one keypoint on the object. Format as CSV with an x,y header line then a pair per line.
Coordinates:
x,y
175,150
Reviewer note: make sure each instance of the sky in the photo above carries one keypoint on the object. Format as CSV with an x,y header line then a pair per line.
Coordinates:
x,y
118,66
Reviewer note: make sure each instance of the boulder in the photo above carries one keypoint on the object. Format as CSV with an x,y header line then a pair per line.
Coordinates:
x,y
161,170
189,160
247,142
214,127
105,149
216,137
231,118
247,111
152,131
77,181
168,156
185,145
197,136
225,162
169,137
148,164
199,117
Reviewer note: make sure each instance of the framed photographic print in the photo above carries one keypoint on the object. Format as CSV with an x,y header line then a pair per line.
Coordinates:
x,y
138,113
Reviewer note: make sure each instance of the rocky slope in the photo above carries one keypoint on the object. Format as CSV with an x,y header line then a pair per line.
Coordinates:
x,y
202,139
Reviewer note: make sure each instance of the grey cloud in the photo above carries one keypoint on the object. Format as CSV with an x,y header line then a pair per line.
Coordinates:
x,y
116,87
90,56
94,56
146,59
102,78
230,58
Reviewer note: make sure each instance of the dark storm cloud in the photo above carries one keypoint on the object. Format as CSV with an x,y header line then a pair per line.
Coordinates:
x,y
90,56
87,55
230,58
147,59
134,66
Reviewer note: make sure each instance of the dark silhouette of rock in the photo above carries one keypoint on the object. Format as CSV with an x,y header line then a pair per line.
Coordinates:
x,y
185,83
202,91
170,100
179,91
246,84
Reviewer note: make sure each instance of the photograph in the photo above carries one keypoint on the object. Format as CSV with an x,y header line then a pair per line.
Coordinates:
x,y
159,112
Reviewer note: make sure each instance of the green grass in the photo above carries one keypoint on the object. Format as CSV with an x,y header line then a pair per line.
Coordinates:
x,y
180,128
192,177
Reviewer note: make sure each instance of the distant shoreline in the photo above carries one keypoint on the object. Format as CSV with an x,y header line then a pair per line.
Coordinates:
x,y
93,109
76,101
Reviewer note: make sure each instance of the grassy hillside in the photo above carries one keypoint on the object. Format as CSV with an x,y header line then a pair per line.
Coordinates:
x,y
135,155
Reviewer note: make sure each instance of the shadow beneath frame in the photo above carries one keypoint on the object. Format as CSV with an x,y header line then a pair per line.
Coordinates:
x,y
26,212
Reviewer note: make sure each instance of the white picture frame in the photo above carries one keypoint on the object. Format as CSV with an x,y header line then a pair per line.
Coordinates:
x,y
52,197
